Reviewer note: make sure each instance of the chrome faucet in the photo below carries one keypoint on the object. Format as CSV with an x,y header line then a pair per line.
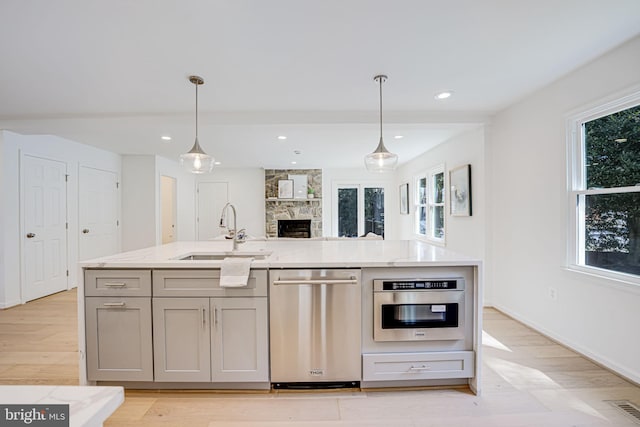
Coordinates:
x,y
238,236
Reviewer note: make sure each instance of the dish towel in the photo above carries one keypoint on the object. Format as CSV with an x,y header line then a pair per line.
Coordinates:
x,y
235,272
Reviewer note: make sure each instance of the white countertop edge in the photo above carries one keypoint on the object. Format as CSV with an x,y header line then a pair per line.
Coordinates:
x,y
276,264
289,254
89,406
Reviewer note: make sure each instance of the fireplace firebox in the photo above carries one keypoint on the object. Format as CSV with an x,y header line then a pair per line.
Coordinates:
x,y
298,228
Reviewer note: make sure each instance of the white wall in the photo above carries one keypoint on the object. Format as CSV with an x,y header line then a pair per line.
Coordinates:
x,y
141,208
4,212
330,177
140,212
529,219
463,234
246,193
12,145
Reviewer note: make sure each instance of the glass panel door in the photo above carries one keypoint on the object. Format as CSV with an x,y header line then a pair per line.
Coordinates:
x,y
360,210
347,212
374,211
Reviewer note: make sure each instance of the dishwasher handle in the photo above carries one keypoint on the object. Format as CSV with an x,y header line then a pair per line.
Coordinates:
x,y
352,281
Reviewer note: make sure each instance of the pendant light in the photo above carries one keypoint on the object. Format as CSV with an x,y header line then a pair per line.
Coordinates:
x,y
196,160
381,160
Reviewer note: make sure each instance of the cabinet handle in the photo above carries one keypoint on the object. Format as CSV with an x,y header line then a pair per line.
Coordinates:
x,y
31,235
215,316
420,368
115,285
114,304
85,230
204,318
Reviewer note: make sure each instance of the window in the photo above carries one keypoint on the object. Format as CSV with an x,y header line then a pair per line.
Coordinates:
x,y
606,190
429,203
360,210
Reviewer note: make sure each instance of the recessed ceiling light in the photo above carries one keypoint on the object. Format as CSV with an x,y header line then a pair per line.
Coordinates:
x,y
217,163
398,137
294,162
443,95
165,138
282,137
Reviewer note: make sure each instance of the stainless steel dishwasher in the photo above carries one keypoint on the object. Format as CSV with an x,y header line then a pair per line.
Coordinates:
x,y
315,328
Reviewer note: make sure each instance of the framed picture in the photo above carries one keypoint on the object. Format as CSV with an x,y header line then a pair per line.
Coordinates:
x,y
404,198
460,194
299,186
285,189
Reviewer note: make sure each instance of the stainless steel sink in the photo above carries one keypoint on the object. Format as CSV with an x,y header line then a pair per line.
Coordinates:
x,y
219,256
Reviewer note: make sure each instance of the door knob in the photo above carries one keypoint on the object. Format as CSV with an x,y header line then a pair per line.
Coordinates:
x,y
31,235
85,230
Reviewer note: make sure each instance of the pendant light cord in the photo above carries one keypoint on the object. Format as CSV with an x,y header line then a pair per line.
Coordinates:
x,y
380,107
197,84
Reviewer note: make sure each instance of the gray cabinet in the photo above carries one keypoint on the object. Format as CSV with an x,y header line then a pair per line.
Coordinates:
x,y
181,337
210,339
118,325
215,334
239,340
191,331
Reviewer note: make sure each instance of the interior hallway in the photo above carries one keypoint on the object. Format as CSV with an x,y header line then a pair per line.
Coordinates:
x,y
528,381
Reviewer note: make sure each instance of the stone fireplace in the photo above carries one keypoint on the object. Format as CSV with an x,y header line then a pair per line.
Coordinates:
x,y
307,209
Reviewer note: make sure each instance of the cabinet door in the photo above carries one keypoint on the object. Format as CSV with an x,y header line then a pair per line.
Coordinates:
x,y
181,339
119,344
239,340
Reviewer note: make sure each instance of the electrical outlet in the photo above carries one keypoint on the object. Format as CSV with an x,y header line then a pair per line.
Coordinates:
x,y
553,293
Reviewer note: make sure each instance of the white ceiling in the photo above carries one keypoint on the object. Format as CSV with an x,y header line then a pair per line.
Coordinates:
x,y
114,74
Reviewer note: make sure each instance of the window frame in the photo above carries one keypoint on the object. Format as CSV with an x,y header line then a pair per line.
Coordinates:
x,y
429,177
577,190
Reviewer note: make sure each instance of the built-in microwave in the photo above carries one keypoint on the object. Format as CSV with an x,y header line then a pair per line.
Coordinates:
x,y
418,309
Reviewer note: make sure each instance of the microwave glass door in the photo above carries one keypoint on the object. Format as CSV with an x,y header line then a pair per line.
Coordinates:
x,y
397,316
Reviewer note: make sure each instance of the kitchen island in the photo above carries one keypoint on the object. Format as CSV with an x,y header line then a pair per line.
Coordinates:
x,y
158,318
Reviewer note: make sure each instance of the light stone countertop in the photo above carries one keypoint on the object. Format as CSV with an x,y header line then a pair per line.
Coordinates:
x,y
88,406
286,253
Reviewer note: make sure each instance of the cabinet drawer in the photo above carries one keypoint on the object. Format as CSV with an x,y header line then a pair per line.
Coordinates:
x,y
205,283
133,283
417,366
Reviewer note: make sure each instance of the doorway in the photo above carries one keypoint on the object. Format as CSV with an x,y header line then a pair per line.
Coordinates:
x,y
168,208
358,210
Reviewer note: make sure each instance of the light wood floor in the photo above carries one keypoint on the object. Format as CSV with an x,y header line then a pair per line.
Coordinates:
x,y
529,381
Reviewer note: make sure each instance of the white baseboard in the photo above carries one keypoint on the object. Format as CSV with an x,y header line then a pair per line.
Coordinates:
x,y
605,362
9,304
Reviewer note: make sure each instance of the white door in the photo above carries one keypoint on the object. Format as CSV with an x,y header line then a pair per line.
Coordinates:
x,y
98,218
212,196
44,218
358,209
168,209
